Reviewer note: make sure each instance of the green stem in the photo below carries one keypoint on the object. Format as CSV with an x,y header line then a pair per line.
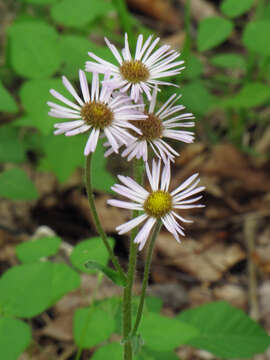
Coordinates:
x,y
146,276
91,200
127,297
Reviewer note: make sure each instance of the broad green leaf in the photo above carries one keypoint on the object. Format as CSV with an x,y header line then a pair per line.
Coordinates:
x,y
63,155
194,68
25,290
153,304
15,336
85,11
7,103
64,280
251,95
231,61
91,249
114,351
225,331
111,274
74,50
212,32
197,98
232,8
152,332
34,95
255,37
32,251
266,12
12,148
16,185
101,178
91,326
34,49
41,2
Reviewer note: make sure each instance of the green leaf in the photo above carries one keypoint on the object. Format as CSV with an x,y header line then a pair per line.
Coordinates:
x,y
74,50
32,251
152,332
63,155
194,68
16,185
197,98
34,49
91,326
91,249
231,61
40,2
213,31
114,351
34,95
153,304
7,103
251,95
232,8
254,37
12,148
225,331
15,336
64,280
111,274
102,179
85,11
25,290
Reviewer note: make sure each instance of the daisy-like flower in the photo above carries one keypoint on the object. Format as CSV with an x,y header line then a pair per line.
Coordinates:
x,y
98,113
141,72
164,123
158,203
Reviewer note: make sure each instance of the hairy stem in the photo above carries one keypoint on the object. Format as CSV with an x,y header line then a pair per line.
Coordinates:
x,y
91,200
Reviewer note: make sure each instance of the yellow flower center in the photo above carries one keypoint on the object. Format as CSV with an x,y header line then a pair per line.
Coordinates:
x,y
158,204
97,114
151,127
134,71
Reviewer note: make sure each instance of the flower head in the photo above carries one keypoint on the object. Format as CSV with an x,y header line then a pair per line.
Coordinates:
x,y
158,203
141,72
99,112
164,123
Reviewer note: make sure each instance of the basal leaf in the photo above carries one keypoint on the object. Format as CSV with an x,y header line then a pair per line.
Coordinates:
x,y
91,326
15,336
64,280
254,36
91,249
230,61
232,8
32,251
7,103
12,147
225,331
152,332
85,11
34,95
16,185
25,290
212,32
34,49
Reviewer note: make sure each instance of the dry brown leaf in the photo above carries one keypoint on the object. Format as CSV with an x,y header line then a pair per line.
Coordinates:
x,y
59,328
207,260
232,293
161,10
226,161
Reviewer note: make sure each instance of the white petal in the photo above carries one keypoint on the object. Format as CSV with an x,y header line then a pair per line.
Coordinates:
x,y
131,224
84,86
143,234
71,89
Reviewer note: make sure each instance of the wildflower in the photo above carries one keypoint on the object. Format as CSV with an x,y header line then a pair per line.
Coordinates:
x,y
141,73
159,125
157,204
98,113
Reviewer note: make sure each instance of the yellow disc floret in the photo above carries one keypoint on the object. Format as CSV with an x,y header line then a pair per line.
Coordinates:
x,y
134,71
151,127
158,203
97,114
